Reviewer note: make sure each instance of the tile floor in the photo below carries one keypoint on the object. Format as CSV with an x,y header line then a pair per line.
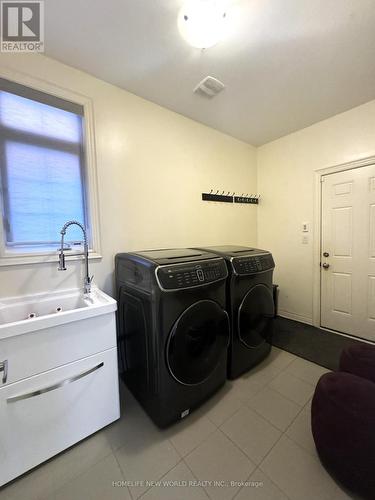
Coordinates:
x,y
252,440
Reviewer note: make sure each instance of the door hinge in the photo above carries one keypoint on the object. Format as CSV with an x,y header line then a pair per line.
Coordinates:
x,y
4,370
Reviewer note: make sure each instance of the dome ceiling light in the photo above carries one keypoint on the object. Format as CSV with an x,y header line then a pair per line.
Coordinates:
x,y
203,23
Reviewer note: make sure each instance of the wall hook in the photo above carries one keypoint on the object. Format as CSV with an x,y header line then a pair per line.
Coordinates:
x,y
230,197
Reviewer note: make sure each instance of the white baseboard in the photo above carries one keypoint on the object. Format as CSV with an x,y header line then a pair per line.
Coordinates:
x,y
295,317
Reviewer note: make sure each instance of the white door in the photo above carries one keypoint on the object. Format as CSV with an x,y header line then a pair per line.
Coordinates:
x,y
348,252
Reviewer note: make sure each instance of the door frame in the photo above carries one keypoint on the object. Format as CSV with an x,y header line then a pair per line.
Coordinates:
x,y
319,173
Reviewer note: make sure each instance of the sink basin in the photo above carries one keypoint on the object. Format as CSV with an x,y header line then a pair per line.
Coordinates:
x,y
20,315
59,377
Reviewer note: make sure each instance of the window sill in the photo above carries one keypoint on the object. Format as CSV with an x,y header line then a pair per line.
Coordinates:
x,y
12,259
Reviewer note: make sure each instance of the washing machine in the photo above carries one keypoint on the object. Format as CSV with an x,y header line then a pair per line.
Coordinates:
x,y
173,329
250,305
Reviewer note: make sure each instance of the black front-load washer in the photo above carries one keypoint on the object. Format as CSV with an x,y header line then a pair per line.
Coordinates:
x,y
173,330
250,305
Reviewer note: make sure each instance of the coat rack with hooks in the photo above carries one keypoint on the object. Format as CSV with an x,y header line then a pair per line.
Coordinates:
x,y
252,199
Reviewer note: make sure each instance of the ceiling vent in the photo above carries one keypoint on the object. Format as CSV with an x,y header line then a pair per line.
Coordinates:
x,y
209,87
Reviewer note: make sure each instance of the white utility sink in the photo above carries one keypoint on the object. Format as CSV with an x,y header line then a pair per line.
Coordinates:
x,y
58,374
19,315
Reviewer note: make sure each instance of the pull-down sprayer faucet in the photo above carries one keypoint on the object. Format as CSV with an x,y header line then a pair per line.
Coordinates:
x,y
88,279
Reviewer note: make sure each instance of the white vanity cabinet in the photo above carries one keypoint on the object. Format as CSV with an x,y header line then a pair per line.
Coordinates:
x,y
45,409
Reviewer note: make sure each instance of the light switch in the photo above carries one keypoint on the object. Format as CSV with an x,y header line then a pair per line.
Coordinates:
x,y
305,240
305,227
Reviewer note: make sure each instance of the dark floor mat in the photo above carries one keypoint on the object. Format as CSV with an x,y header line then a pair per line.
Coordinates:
x,y
311,343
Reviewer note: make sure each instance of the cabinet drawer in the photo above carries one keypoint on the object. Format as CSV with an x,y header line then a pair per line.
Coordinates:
x,y
45,414
42,350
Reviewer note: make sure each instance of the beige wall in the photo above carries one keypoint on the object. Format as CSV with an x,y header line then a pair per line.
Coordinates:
x,y
153,165
286,182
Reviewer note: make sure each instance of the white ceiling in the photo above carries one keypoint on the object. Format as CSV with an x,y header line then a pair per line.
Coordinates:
x,y
286,63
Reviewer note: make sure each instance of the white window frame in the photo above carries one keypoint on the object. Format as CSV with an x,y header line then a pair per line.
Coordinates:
x,y
10,257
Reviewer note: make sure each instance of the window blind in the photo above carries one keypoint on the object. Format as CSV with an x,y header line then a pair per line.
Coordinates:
x,y
41,165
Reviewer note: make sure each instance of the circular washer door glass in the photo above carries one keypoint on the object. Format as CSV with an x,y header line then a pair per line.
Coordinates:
x,y
255,316
197,342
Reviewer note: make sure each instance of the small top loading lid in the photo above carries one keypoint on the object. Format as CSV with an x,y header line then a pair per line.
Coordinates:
x,y
234,250
175,255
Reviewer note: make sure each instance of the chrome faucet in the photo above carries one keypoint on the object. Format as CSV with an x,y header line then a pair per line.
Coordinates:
x,y
88,279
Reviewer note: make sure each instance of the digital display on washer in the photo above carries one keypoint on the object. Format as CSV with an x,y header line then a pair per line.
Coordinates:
x,y
254,264
190,275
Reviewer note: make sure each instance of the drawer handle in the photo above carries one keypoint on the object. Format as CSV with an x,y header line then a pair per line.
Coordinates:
x,y
4,369
55,386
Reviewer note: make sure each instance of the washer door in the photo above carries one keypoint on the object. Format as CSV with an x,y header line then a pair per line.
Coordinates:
x,y
255,316
197,342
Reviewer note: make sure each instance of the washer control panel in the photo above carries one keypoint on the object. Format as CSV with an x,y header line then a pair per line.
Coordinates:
x,y
253,264
183,276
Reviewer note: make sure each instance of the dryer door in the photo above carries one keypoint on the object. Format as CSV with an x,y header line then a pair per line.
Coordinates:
x,y
197,342
255,316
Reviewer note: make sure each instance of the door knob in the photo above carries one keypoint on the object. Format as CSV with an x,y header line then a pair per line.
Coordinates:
x,y
325,265
325,254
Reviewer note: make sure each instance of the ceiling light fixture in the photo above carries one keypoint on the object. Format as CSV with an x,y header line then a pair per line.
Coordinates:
x,y
203,23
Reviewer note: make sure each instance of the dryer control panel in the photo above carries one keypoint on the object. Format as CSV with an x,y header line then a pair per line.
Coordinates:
x,y
253,264
182,276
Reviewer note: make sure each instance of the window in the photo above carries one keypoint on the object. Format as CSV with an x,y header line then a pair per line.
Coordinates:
x,y
42,169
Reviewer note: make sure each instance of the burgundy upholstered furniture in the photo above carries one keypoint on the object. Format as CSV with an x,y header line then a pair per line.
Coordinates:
x,y
359,360
343,427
